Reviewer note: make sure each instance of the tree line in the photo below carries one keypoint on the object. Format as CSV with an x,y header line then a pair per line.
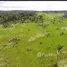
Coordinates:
x,y
5,18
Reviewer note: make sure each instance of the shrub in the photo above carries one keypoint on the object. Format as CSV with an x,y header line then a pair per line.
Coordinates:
x,y
59,47
28,49
14,40
41,42
62,33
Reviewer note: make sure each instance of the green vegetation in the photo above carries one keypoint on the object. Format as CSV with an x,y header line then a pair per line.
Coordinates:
x,y
34,39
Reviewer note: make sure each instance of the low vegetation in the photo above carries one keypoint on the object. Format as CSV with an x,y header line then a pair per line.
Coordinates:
x,y
33,39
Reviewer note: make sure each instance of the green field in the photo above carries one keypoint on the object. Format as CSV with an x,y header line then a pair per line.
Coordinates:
x,y
31,44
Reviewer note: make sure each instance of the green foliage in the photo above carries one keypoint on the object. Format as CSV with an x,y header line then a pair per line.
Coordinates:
x,y
30,39
59,47
23,16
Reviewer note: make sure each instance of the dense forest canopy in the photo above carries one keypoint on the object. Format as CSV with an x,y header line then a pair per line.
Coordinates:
x,y
7,18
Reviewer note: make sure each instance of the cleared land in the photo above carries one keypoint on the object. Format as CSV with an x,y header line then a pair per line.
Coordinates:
x,y
35,44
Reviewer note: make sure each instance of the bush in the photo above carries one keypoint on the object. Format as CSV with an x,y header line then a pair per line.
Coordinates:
x,y
62,33
14,40
28,49
59,47
41,42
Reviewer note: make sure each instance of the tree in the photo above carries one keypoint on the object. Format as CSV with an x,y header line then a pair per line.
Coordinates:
x,y
59,47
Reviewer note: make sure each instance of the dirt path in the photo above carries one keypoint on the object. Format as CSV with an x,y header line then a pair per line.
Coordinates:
x,y
37,36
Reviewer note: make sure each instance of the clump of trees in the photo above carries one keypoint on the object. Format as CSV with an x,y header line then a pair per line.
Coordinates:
x,y
6,18
54,20
15,41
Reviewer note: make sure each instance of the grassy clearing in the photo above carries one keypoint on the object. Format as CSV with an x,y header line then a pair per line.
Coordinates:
x,y
33,39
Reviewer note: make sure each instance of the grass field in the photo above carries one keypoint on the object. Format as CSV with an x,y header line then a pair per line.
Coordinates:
x,y
34,45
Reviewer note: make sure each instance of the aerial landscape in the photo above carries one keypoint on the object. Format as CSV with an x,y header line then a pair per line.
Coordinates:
x,y
33,38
